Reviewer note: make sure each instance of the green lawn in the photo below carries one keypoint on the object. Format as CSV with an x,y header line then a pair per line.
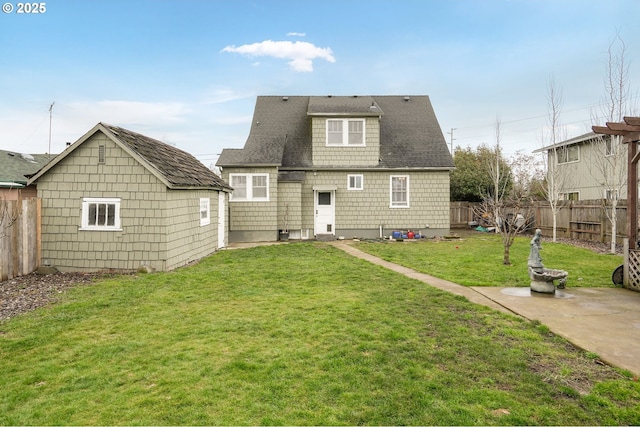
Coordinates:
x,y
476,260
294,334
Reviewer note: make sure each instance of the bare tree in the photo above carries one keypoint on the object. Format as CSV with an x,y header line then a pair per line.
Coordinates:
x,y
508,208
610,157
8,214
558,178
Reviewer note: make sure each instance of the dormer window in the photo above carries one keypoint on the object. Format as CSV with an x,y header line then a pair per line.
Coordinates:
x,y
345,132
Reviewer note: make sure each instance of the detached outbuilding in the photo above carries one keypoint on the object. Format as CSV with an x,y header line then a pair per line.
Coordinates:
x,y
118,200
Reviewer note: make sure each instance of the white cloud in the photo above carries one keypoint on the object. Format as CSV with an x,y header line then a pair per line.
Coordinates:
x,y
300,54
294,34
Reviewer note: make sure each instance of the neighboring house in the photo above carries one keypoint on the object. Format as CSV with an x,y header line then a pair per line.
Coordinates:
x,y
339,166
588,167
117,200
14,169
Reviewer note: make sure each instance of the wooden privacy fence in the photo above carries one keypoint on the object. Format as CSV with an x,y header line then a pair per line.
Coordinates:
x,y
19,239
579,219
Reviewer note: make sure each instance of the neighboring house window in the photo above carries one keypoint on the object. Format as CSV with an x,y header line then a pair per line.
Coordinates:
x,y
399,191
205,215
609,147
570,196
101,214
250,187
611,194
568,154
345,132
355,182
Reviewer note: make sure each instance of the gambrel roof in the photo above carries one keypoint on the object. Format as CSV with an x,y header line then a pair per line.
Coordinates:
x,y
280,135
176,168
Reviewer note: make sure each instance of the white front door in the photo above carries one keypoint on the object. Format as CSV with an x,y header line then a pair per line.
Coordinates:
x,y
222,210
324,212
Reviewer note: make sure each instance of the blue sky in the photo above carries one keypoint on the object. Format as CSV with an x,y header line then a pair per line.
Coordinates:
x,y
188,72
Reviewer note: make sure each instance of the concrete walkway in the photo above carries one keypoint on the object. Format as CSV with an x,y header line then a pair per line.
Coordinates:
x,y
604,321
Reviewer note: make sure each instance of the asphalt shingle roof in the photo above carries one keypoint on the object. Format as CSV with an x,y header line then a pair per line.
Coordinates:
x,y
180,168
15,166
280,134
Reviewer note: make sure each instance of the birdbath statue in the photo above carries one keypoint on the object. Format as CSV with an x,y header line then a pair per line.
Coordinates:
x,y
542,279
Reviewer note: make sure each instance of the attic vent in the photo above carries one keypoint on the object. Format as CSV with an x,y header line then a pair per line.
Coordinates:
x,y
101,154
407,98
285,98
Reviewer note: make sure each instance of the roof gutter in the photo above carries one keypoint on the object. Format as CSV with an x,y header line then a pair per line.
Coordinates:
x,y
367,169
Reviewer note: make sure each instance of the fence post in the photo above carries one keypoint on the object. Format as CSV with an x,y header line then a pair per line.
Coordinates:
x,y
603,223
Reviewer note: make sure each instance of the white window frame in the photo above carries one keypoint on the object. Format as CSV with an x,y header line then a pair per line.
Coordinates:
x,y
88,225
249,187
345,132
205,211
358,183
395,204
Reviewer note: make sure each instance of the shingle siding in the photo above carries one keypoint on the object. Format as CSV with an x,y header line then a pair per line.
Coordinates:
x,y
62,191
332,156
403,137
187,240
370,208
160,226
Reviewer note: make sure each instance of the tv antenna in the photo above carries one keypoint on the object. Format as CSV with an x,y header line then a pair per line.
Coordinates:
x,y
50,117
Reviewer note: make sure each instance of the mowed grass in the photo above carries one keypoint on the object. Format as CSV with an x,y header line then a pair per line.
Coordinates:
x,y
298,334
476,260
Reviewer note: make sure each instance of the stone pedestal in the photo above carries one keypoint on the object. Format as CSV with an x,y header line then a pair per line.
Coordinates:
x,y
543,287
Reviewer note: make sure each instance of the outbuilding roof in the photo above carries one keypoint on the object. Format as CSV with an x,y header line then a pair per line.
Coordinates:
x,y
176,168
280,134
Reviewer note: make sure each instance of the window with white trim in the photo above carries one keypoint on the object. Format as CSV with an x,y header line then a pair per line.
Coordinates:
x,y
205,212
101,214
355,182
399,191
345,132
609,146
250,187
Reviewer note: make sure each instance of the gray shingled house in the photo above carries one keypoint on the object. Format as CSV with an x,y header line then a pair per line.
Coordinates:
x,y
117,200
339,166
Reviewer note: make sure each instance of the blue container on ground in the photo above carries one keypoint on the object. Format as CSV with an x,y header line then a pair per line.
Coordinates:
x,y
396,235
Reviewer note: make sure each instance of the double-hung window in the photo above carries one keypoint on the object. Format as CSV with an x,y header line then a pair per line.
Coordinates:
x,y
610,145
568,154
355,182
205,212
250,187
399,191
345,132
101,214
